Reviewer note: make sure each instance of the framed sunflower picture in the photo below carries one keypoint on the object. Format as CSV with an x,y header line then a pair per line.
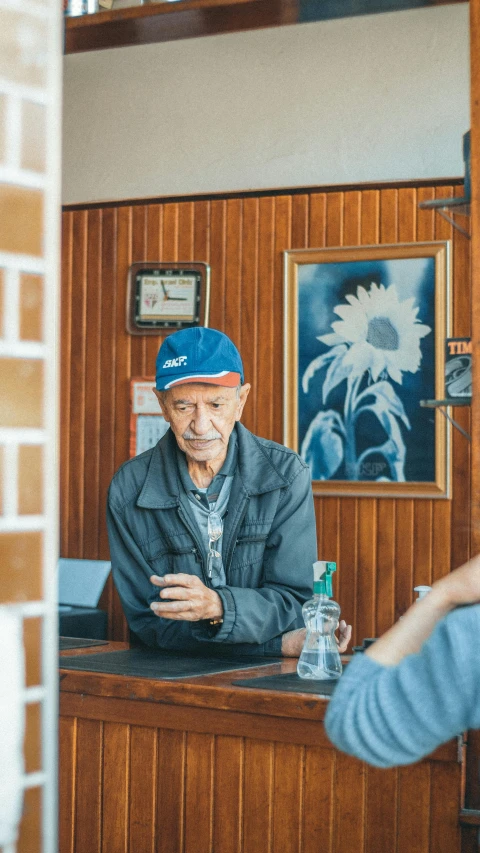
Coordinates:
x,y
365,331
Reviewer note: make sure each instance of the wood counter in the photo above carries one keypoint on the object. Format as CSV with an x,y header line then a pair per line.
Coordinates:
x,y
199,765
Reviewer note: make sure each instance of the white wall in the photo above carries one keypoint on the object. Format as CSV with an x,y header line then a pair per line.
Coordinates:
x,y
374,98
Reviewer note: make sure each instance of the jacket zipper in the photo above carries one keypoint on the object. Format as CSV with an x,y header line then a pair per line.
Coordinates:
x,y
197,550
234,537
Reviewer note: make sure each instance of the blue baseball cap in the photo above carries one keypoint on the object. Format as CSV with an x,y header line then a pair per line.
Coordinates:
x,y
198,355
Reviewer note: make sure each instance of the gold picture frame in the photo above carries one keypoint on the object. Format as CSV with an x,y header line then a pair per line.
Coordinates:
x,y
365,331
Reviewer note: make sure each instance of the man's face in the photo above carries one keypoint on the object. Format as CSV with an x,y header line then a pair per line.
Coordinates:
x,y
202,417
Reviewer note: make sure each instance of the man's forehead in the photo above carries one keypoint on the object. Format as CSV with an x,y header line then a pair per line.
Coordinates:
x,y
192,391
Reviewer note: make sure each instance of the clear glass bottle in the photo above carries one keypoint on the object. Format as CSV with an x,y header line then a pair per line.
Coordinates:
x,y
320,658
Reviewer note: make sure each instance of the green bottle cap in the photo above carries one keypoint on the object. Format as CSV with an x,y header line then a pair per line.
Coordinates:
x,y
322,577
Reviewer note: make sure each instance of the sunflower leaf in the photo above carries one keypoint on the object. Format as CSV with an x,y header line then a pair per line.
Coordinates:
x,y
393,449
320,362
322,447
336,373
385,397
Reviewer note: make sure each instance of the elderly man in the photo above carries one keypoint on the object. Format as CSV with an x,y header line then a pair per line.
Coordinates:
x,y
212,532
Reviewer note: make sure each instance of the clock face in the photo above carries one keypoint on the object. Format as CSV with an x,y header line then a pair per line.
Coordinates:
x,y
164,299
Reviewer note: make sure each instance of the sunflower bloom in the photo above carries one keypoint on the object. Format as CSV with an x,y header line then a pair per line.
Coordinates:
x,y
382,333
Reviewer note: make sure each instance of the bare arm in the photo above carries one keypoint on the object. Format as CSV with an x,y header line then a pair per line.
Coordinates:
x,y
408,635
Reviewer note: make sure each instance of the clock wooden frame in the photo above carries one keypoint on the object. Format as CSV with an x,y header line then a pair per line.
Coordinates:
x,y
166,296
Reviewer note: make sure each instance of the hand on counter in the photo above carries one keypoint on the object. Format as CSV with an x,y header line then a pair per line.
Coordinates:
x,y
188,598
292,641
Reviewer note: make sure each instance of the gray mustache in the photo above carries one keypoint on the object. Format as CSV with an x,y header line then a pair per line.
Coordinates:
x,y
209,436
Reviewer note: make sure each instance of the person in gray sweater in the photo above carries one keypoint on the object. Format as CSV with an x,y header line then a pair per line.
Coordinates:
x,y
419,684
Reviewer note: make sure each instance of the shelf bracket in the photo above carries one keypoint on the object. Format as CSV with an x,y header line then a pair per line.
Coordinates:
x,y
454,422
443,212
441,405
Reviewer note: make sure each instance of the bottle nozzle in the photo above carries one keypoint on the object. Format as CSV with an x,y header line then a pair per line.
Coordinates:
x,y
421,591
322,577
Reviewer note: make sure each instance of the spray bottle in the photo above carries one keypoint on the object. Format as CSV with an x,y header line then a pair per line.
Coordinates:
x,y
320,658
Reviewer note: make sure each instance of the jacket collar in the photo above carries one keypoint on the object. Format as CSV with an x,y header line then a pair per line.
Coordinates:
x,y
162,487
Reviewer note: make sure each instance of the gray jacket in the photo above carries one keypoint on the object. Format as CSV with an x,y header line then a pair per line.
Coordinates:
x,y
269,546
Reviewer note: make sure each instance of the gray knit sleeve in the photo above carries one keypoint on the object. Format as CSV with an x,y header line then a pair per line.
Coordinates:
x,y
397,715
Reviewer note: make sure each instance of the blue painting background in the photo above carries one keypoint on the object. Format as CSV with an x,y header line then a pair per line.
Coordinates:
x,y
321,287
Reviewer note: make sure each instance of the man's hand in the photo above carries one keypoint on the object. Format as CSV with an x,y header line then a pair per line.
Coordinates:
x,y
292,641
189,599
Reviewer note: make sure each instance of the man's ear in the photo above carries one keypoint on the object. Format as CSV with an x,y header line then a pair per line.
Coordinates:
x,y
161,397
244,391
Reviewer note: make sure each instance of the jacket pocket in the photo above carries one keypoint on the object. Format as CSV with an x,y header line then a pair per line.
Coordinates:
x,y
246,568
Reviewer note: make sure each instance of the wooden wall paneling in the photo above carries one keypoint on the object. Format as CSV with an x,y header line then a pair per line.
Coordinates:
x,y
88,830
250,306
67,731
445,806
116,772
317,221
228,794
380,810
388,216
107,371
124,341
370,221
366,575
300,221
233,270
282,242
91,453
258,796
349,804
65,414
267,412
218,260
288,798
334,235
199,793
77,382
317,826
352,210
142,790
201,233
122,373
107,391
345,581
407,214
414,797
404,555
171,791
